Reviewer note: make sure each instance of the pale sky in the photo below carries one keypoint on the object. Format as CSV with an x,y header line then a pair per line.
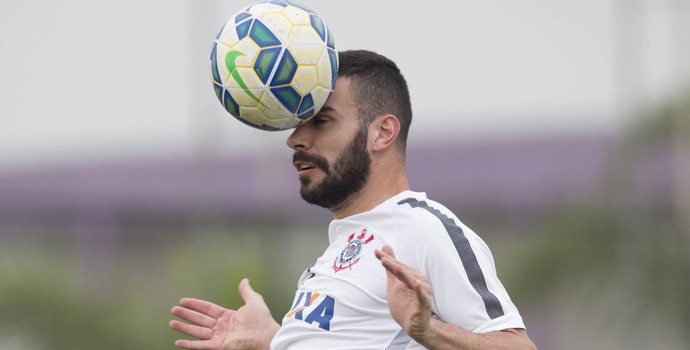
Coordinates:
x,y
85,80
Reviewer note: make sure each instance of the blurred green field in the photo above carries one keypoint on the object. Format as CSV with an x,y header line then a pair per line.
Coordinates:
x,y
56,294
578,281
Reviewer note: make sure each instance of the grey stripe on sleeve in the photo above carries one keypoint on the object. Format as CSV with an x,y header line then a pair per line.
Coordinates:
x,y
467,256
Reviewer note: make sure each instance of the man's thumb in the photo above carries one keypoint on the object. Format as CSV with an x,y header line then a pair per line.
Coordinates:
x,y
247,293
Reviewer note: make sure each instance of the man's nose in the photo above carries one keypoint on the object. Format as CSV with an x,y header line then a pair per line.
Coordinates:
x,y
297,139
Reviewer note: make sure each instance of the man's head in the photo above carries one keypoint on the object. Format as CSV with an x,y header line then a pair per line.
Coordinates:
x,y
378,88
334,150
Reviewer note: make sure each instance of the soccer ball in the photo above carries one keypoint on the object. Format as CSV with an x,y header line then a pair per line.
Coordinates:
x,y
274,64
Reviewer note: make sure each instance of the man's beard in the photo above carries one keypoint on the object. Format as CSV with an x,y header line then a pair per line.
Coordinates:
x,y
344,179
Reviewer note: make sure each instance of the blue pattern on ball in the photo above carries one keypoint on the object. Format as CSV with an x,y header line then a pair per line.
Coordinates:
x,y
265,61
288,97
243,22
230,104
318,25
287,67
306,108
333,55
262,35
214,65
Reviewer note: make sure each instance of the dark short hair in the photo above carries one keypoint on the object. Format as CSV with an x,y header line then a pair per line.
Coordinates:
x,y
378,88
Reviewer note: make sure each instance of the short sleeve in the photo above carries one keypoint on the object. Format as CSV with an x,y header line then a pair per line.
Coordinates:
x,y
460,268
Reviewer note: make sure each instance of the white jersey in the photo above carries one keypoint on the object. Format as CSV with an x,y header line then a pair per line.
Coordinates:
x,y
341,302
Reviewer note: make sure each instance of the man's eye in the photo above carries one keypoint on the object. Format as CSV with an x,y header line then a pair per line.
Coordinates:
x,y
319,120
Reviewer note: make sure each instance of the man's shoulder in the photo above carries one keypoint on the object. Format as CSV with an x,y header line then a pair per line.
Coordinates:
x,y
414,214
421,207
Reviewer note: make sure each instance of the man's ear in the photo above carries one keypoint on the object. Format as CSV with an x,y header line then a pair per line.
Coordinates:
x,y
385,130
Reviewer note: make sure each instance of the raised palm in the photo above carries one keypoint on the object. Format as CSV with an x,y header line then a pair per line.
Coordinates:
x,y
217,328
409,294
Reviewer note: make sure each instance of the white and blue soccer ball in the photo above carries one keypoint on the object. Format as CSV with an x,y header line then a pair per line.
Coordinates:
x,y
274,64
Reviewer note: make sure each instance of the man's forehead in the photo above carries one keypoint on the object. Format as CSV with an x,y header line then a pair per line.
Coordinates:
x,y
341,95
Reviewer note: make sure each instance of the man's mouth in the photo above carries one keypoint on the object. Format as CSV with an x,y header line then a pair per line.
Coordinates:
x,y
306,164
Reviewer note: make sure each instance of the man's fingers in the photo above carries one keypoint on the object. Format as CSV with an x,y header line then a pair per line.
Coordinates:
x,y
194,317
203,306
413,279
388,250
193,344
191,330
202,316
404,273
423,292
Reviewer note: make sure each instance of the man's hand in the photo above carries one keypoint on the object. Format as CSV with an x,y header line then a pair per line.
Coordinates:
x,y
217,328
409,294
409,300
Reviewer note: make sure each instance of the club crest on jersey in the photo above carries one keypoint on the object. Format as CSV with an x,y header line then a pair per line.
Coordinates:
x,y
350,255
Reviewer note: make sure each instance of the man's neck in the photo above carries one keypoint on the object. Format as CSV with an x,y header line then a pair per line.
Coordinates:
x,y
377,190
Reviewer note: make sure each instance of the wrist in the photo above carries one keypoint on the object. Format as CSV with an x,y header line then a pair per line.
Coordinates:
x,y
443,336
270,333
425,337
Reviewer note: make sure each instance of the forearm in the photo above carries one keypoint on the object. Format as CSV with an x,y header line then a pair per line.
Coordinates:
x,y
441,336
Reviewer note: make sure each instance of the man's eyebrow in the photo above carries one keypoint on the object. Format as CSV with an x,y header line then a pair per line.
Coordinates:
x,y
326,109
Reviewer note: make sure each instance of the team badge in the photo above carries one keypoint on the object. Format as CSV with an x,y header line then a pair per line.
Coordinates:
x,y
350,255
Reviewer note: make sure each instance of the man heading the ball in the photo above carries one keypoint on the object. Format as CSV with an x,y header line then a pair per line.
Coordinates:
x,y
372,287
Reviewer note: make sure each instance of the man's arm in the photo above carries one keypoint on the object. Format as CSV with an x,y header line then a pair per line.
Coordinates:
x,y
409,299
441,336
